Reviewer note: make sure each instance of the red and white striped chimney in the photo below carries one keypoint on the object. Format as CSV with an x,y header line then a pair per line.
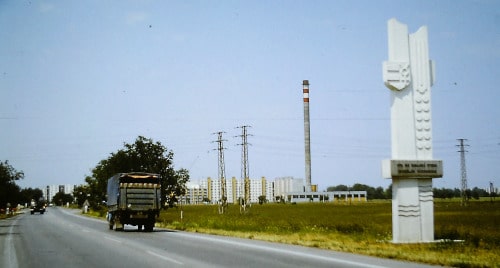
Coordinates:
x,y
307,134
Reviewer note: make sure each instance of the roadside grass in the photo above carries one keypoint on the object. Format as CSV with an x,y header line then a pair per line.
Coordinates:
x,y
362,228
5,216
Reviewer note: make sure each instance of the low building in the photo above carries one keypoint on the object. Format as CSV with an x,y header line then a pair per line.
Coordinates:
x,y
336,196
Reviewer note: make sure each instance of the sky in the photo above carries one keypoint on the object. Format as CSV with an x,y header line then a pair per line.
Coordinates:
x,y
78,79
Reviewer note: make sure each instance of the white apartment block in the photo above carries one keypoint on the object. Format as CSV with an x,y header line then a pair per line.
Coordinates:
x,y
52,190
211,189
285,185
195,194
288,189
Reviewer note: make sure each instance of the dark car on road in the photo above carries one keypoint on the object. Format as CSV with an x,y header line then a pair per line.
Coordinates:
x,y
37,206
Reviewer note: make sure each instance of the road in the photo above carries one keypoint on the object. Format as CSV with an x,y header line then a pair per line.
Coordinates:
x,y
63,238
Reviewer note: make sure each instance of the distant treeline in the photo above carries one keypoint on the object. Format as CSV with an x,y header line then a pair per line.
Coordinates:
x,y
10,193
381,193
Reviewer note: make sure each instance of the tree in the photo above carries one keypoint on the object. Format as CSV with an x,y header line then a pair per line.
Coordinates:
x,y
378,193
9,191
388,192
61,198
29,193
144,155
262,199
81,193
339,187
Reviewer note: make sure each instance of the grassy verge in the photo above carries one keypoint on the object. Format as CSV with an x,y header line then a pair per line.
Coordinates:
x,y
5,216
363,228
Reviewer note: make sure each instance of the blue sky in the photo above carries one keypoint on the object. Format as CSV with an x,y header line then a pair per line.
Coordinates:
x,y
78,79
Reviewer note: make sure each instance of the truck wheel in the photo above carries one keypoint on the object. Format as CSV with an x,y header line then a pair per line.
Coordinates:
x,y
149,226
111,220
139,227
118,225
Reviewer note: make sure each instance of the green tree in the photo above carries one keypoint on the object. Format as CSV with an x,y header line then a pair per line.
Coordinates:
x,y
9,191
81,193
477,193
262,199
176,186
388,192
61,199
29,193
339,187
378,193
144,155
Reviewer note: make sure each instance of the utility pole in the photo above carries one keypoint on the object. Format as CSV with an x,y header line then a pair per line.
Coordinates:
x,y
244,165
463,169
492,190
222,172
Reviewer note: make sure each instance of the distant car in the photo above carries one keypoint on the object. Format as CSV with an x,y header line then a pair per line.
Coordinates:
x,y
37,207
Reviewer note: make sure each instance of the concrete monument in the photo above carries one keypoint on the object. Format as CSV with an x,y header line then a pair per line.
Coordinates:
x,y
409,74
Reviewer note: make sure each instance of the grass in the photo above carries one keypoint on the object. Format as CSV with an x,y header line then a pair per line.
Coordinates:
x,y
363,228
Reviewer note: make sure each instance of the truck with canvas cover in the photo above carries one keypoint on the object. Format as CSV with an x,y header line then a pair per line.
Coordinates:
x,y
135,199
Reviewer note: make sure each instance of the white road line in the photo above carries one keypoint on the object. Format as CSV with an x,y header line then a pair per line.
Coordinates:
x,y
68,212
289,252
114,240
9,252
165,258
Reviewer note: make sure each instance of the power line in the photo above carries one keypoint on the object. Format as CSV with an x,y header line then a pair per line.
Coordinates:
x,y
463,170
245,170
221,172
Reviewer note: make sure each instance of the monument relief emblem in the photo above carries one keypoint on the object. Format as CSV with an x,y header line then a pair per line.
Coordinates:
x,y
397,75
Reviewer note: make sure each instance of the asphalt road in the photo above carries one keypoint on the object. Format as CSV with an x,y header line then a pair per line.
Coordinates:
x,y
62,238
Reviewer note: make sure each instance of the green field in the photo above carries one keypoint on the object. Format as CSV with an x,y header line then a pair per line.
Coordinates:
x,y
363,228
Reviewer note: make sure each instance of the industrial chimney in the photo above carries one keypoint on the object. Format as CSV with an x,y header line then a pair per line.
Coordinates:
x,y
307,134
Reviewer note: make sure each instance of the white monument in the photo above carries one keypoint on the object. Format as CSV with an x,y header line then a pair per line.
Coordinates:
x,y
409,75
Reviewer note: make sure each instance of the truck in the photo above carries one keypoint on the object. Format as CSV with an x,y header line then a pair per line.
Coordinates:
x,y
135,199
37,206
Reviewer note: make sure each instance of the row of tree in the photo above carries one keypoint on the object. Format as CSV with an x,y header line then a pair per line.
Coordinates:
x,y
10,193
371,192
144,155
474,193
443,193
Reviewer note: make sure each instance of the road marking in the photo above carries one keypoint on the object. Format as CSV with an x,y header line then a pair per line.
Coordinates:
x,y
165,258
289,252
9,251
114,240
71,213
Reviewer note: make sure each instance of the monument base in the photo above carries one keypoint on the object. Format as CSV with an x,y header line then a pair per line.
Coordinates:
x,y
412,210
412,199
